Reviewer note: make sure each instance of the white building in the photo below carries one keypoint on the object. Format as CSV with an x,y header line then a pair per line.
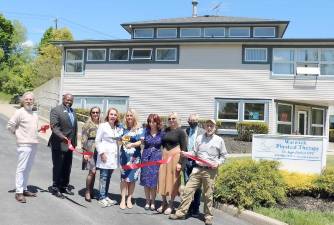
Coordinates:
x,y
227,68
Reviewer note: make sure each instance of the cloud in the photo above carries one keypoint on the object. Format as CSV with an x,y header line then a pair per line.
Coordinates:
x,y
28,44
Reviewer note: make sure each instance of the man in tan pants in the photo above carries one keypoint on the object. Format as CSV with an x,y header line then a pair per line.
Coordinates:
x,y
210,148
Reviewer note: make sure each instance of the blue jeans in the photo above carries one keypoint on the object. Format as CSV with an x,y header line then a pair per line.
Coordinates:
x,y
194,206
105,175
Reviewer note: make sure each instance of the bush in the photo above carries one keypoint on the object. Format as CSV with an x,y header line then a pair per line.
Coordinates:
x,y
247,129
325,183
331,135
82,114
248,184
298,184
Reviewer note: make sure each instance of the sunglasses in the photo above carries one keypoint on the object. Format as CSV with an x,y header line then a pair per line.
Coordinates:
x,y
173,118
95,112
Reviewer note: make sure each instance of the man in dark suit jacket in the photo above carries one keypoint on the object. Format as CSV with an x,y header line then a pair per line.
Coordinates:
x,y
193,131
64,128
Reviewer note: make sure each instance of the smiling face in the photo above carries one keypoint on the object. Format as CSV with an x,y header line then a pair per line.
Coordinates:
x,y
173,121
68,100
95,114
28,101
112,116
129,118
153,125
210,128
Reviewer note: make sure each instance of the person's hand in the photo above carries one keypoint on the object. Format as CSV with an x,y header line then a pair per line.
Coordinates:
x,y
66,140
214,165
201,164
182,153
178,167
87,157
104,158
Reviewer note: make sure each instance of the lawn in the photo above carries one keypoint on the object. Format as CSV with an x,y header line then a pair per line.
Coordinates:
x,y
4,98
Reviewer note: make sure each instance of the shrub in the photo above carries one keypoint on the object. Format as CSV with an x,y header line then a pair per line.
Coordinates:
x,y
331,135
248,184
247,129
298,184
82,114
325,183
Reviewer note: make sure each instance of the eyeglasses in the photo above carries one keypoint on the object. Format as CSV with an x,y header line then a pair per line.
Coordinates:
x,y
172,118
95,112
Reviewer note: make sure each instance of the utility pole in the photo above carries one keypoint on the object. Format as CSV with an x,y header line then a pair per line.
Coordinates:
x,y
56,23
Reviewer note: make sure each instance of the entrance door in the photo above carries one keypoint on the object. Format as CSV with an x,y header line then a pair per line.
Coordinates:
x,y
302,122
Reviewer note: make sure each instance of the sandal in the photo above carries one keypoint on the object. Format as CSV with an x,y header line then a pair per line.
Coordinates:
x,y
147,207
162,208
168,211
152,207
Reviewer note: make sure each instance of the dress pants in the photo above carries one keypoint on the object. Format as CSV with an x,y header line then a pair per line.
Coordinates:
x,y
62,164
26,154
195,204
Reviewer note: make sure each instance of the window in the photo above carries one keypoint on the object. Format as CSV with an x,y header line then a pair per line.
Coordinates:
x,y
143,33
96,54
317,126
264,32
283,61
74,61
141,53
94,101
327,61
190,32
255,54
119,54
214,32
165,54
166,33
284,118
239,32
120,104
254,111
228,111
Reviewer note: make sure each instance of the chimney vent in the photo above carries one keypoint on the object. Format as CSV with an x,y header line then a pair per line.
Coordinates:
x,y
195,3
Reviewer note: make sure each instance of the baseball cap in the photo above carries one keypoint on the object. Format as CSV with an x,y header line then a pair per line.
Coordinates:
x,y
211,121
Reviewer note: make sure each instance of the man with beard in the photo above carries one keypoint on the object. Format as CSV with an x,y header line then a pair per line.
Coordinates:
x,y
24,125
63,123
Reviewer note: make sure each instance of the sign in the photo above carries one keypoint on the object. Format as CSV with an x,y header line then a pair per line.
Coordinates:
x,y
296,153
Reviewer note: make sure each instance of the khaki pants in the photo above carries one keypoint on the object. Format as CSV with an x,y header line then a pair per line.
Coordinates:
x,y
199,177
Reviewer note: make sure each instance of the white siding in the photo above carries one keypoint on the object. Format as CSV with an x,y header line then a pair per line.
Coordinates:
x,y
203,73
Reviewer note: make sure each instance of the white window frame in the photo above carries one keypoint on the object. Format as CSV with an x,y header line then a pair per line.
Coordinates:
x,y
191,28
218,101
75,61
116,60
215,36
160,60
248,60
151,29
150,58
97,60
231,28
323,118
174,36
254,32
282,122
264,111
293,62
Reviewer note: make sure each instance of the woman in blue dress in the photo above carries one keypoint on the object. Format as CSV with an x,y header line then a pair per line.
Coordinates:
x,y
152,152
130,154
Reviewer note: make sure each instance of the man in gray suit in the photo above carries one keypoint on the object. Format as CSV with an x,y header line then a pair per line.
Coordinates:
x,y
64,128
193,131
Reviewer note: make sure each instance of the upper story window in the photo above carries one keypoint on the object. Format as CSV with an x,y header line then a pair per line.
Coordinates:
x,y
283,61
141,53
255,55
143,33
74,61
214,32
165,54
327,61
239,32
190,32
119,54
166,33
264,32
96,54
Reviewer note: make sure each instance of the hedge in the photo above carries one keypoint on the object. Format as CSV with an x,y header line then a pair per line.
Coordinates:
x,y
82,114
325,183
298,184
247,129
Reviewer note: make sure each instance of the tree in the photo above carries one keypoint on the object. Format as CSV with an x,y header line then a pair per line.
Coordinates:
x,y
6,37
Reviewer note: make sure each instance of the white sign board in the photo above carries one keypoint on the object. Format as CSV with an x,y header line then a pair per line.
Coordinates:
x,y
296,153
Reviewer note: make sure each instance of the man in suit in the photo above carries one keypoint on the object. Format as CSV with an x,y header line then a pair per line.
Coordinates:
x,y
193,131
64,128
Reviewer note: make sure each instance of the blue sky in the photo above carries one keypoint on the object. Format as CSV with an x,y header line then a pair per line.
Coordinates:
x,y
101,19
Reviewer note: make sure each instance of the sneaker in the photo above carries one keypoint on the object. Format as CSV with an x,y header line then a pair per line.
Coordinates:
x,y
111,202
104,203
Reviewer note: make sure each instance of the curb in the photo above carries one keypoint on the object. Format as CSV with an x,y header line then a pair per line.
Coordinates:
x,y
249,216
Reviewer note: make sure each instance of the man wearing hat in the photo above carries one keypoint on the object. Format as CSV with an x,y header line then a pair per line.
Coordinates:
x,y
210,148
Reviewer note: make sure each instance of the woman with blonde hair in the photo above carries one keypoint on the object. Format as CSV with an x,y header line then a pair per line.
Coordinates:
x,y
174,141
130,153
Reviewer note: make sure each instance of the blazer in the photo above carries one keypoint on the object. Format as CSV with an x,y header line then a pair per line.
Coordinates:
x,y
61,126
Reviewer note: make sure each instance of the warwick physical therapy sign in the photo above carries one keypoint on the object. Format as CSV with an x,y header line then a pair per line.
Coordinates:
x,y
297,153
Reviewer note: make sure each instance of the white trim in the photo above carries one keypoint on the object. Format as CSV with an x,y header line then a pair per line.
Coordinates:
x,y
97,60
174,36
134,49
75,61
151,29
247,60
254,32
231,28
215,36
162,60
114,60
190,28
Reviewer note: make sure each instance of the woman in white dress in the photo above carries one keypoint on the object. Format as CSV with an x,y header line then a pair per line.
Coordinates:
x,y
107,136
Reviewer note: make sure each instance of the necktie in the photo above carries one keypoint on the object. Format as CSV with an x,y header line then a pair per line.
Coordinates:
x,y
70,114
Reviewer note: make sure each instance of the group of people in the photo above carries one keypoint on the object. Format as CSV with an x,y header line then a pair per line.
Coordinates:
x,y
154,155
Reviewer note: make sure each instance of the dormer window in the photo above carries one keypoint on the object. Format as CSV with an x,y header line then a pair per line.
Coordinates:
x,y
264,32
214,32
190,32
166,33
143,33
239,32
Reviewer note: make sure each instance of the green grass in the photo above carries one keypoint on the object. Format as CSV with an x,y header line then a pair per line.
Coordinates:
x,y
4,98
330,161
298,217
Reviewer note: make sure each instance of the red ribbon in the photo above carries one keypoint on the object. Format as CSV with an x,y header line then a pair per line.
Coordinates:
x,y
190,156
72,148
44,128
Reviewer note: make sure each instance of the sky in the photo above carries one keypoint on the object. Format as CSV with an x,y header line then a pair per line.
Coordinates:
x,y
101,19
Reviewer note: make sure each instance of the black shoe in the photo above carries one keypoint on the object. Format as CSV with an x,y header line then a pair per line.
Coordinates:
x,y
58,194
66,191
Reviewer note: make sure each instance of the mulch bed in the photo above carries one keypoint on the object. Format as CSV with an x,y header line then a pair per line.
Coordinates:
x,y
309,203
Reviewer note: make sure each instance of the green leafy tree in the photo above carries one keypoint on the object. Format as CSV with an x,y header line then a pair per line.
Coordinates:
x,y
6,37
